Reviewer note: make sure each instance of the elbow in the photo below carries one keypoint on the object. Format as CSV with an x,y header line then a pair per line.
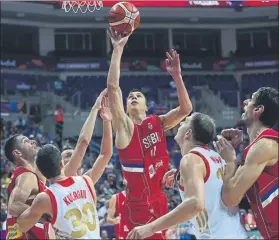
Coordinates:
x,y
21,226
112,86
185,111
84,141
230,200
106,155
198,205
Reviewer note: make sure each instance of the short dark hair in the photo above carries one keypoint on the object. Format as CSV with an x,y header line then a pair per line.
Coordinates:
x,y
269,98
134,90
48,161
203,128
10,145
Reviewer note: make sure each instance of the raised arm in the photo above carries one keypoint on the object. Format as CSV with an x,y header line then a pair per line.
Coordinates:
x,y
32,215
175,116
84,138
106,147
193,171
111,219
26,185
236,183
120,120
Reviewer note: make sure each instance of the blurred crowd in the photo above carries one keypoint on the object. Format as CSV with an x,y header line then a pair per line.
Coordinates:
x,y
110,183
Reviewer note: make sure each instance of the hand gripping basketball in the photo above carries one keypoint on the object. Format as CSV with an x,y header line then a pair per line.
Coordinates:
x,y
117,39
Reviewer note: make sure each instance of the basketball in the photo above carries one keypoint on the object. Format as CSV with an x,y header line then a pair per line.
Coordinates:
x,y
124,17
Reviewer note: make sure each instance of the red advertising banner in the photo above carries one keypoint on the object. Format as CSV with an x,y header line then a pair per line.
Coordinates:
x,y
189,3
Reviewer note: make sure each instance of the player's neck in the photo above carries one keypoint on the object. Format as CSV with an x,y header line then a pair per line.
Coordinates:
x,y
30,166
187,149
138,118
57,179
255,130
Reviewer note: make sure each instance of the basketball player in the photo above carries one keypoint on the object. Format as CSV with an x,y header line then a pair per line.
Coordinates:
x,y
70,201
24,186
141,141
116,205
258,175
27,181
201,171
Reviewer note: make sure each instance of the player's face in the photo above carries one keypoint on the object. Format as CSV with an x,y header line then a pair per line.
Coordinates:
x,y
136,102
27,148
249,107
182,130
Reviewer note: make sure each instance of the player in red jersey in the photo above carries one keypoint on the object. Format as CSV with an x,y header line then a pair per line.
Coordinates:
x,y
116,206
141,141
258,175
24,186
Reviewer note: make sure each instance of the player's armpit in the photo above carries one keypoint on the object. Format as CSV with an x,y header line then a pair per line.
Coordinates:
x,y
258,157
26,184
111,210
32,215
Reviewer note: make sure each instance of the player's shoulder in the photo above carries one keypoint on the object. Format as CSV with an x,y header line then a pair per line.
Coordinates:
x,y
191,159
262,150
154,120
42,198
28,176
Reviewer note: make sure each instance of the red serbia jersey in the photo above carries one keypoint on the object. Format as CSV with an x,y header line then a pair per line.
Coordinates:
x,y
145,160
263,195
120,232
39,231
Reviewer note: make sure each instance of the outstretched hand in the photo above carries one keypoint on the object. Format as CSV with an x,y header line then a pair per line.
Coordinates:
x,y
99,100
105,110
173,63
118,39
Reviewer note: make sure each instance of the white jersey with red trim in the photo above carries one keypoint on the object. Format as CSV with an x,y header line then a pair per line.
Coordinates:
x,y
75,214
216,221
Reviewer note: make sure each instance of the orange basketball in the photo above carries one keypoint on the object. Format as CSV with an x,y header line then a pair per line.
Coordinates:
x,y
124,17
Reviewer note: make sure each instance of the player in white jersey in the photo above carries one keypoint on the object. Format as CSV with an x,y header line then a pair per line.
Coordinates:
x,y
70,201
201,172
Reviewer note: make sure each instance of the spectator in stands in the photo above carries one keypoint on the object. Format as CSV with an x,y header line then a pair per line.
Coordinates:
x,y
171,233
186,231
59,119
104,234
239,154
3,216
250,223
102,212
58,87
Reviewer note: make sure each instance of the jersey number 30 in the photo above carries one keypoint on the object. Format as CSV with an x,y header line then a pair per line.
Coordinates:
x,y
81,220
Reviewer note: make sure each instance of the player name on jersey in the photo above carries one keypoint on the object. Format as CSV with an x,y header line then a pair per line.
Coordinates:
x,y
74,196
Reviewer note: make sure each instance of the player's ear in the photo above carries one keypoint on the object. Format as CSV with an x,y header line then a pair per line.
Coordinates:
x,y
16,153
188,133
259,110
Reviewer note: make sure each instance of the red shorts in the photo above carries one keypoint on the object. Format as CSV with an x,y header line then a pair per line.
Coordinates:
x,y
141,213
